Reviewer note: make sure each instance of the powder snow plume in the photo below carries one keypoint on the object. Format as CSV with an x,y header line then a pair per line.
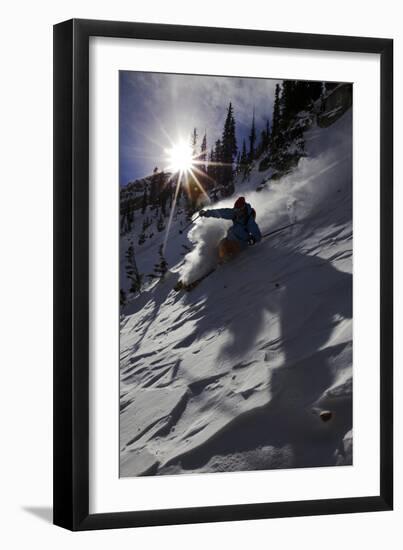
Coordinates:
x,y
205,235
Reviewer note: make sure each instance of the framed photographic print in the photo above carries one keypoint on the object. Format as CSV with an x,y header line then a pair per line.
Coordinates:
x,y
223,320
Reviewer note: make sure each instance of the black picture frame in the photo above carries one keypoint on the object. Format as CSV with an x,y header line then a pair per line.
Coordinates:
x,y
71,274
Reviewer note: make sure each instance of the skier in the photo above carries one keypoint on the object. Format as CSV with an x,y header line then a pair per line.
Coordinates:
x,y
243,232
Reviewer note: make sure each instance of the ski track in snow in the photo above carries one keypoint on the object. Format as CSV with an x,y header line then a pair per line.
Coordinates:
x,y
232,375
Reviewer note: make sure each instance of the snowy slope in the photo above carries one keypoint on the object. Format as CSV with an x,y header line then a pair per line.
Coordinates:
x,y
233,375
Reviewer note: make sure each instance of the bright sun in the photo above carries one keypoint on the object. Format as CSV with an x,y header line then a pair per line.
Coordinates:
x,y
180,157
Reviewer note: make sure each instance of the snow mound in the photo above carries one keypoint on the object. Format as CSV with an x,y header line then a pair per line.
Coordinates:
x,y
262,458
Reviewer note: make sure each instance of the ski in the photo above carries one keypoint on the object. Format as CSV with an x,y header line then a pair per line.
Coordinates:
x,y
180,285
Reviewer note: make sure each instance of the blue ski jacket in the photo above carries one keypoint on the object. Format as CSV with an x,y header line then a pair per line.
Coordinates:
x,y
242,227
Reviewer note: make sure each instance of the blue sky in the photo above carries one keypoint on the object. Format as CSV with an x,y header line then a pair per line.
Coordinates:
x,y
158,110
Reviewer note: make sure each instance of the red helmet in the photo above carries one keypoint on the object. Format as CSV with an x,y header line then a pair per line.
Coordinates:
x,y
240,203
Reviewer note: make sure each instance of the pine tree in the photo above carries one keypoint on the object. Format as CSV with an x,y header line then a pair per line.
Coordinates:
x,y
264,140
252,139
160,223
123,298
132,271
203,154
276,118
192,185
218,160
234,144
304,92
142,236
244,159
211,170
287,101
174,183
238,162
315,90
153,190
244,155
130,219
297,95
268,135
228,151
193,141
144,201
164,192
161,267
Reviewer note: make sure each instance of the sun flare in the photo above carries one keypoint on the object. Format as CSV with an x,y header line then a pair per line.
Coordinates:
x,y
180,157
189,171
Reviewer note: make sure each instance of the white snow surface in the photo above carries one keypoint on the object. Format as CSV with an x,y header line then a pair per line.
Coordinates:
x,y
233,375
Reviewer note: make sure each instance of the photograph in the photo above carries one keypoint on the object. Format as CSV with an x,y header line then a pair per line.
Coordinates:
x,y
201,259
236,282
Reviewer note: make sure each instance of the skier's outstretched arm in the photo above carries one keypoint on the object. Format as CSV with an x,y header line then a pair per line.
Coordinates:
x,y
225,213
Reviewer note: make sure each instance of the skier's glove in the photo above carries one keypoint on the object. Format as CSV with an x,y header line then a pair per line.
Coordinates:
x,y
251,240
